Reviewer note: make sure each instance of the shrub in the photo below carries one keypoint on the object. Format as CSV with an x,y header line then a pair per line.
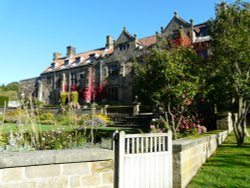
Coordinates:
x,y
61,140
99,120
47,140
74,96
1,118
16,116
3,100
68,118
46,118
74,100
83,119
63,97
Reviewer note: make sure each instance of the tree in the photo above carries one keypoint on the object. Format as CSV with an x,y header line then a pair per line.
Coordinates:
x,y
230,62
13,86
169,78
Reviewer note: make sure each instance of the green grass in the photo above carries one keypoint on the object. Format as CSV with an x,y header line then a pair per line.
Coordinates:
x,y
7,127
229,167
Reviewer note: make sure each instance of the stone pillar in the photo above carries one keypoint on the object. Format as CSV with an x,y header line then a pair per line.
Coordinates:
x,y
105,111
63,82
224,121
40,91
136,109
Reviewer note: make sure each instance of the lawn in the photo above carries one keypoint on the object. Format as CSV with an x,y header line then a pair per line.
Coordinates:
x,y
229,167
7,127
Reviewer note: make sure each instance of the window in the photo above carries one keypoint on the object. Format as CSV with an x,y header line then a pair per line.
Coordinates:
x,y
202,54
92,57
113,70
49,80
123,47
81,75
203,32
53,65
66,62
113,93
73,78
58,83
78,60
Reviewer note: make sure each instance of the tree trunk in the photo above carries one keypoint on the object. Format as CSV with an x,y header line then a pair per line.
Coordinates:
x,y
239,121
245,128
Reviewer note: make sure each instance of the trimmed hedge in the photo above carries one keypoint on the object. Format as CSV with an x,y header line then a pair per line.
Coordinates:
x,y
2,100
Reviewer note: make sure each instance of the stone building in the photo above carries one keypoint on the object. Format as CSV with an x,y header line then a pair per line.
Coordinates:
x,y
106,74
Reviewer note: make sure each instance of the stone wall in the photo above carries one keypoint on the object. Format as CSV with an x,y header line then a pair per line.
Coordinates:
x,y
29,86
91,168
224,121
190,153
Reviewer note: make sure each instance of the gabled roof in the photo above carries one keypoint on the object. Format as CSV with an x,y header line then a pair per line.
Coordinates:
x,y
148,41
125,36
176,18
85,58
175,24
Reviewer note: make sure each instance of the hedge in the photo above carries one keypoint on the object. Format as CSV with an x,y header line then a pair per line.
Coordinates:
x,y
2,100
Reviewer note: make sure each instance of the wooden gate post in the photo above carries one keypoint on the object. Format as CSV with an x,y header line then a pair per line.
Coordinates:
x,y
116,158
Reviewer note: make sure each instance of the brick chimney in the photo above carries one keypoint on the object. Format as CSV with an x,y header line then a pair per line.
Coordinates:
x,y
71,51
56,55
109,42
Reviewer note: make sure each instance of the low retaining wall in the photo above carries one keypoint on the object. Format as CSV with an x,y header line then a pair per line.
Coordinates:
x,y
57,169
190,153
94,167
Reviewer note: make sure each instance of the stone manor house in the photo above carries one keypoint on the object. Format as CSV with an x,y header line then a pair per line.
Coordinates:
x,y
106,74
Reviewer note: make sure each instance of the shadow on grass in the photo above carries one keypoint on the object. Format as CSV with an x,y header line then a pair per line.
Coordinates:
x,y
228,167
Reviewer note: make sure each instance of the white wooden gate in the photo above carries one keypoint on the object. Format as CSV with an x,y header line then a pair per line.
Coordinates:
x,y
143,160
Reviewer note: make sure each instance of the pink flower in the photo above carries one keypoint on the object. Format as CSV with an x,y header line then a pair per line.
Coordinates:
x,y
152,126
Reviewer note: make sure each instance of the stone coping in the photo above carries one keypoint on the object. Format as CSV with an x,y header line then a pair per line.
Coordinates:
x,y
186,143
33,158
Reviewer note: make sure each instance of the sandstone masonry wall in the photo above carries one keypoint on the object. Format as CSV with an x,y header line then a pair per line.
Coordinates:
x,y
190,153
88,168
93,168
28,86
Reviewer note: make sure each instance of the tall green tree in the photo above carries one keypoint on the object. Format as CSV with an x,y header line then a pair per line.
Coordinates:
x,y
13,86
230,63
169,77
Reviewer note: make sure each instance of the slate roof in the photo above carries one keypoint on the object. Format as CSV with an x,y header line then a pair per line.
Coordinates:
x,y
77,60
148,41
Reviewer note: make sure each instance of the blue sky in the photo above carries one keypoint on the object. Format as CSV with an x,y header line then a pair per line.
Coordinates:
x,y
31,30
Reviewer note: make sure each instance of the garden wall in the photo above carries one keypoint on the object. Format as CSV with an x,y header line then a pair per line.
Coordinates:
x,y
190,153
94,167
57,169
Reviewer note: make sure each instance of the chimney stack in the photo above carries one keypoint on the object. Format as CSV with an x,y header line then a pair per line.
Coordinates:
x,y
192,34
56,55
71,51
135,36
109,42
162,29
